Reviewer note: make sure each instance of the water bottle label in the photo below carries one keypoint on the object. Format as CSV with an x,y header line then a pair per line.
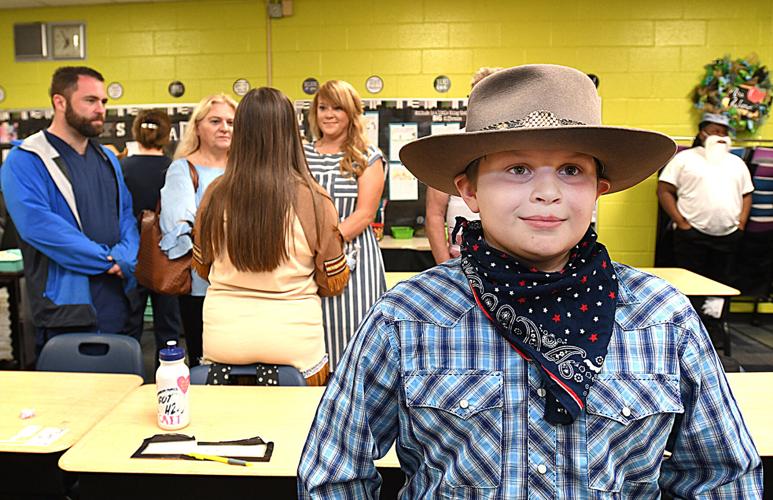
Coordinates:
x,y
173,403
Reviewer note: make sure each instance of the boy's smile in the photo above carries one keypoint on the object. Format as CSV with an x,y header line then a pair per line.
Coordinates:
x,y
534,204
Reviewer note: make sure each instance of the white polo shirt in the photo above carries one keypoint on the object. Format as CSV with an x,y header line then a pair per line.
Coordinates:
x,y
709,195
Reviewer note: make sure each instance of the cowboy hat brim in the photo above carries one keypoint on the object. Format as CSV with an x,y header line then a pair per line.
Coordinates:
x,y
628,155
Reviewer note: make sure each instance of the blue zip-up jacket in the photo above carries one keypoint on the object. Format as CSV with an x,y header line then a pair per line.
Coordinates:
x,y
58,256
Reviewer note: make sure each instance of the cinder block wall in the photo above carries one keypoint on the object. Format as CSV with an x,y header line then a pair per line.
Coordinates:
x,y
648,56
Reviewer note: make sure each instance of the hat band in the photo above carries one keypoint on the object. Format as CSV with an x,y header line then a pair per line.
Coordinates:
x,y
535,119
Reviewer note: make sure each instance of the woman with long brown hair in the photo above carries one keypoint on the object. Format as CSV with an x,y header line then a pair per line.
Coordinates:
x,y
352,172
267,237
203,152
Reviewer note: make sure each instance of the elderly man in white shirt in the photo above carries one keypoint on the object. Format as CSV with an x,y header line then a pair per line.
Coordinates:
x,y
706,190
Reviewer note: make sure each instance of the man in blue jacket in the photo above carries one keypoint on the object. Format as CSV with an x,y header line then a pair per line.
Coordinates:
x,y
65,193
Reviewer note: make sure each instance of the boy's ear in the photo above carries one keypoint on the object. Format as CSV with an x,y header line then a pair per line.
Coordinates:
x,y
603,187
467,191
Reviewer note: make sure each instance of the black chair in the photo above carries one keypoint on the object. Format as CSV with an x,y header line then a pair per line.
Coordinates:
x,y
92,352
288,375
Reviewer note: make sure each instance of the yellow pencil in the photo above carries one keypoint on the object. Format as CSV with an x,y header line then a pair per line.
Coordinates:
x,y
222,460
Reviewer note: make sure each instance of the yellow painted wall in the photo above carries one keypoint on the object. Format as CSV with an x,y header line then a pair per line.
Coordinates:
x,y
648,56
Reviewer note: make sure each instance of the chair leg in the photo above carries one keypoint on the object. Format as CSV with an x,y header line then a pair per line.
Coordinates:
x,y
756,312
725,328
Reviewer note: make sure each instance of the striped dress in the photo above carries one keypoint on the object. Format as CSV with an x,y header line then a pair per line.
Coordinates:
x,y
342,314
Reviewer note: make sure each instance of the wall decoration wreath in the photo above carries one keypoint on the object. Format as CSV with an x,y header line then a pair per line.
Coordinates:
x,y
737,88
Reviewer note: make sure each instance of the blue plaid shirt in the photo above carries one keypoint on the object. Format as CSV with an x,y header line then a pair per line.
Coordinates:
x,y
428,370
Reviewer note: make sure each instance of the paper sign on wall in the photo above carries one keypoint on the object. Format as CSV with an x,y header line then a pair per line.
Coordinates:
x,y
446,128
371,127
401,134
402,184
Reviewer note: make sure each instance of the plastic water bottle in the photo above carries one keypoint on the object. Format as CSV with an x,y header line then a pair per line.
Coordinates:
x,y
172,382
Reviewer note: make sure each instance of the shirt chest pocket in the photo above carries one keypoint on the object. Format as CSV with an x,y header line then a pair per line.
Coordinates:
x,y
629,418
456,417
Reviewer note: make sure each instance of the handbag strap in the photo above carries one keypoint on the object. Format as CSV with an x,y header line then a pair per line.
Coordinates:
x,y
194,175
194,180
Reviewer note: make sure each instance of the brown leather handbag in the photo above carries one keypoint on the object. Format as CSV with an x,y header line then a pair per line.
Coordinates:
x,y
155,270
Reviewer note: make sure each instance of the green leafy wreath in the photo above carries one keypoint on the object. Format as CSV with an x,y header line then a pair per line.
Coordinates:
x,y
739,89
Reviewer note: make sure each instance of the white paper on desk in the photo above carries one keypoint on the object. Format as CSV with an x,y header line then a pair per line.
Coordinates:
x,y
170,448
46,437
233,450
402,184
401,134
190,446
25,433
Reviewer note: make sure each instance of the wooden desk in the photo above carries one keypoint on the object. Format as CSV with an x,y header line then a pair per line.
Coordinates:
x,y
418,243
690,283
752,392
279,414
393,278
70,401
695,285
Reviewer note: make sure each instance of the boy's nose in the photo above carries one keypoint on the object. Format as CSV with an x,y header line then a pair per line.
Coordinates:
x,y
545,189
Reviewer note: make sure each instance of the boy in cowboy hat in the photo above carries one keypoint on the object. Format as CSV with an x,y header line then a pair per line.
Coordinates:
x,y
533,366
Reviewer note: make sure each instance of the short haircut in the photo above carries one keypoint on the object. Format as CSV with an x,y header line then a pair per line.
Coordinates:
x,y
65,79
151,128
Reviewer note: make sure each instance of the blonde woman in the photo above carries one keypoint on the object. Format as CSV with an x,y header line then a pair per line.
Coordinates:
x,y
204,145
352,172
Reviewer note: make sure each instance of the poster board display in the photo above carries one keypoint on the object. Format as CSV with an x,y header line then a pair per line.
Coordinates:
x,y
19,124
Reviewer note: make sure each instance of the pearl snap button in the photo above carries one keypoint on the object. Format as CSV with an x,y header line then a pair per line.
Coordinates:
x,y
541,392
626,411
542,469
464,404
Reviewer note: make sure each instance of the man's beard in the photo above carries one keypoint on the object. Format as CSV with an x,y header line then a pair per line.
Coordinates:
x,y
716,148
81,124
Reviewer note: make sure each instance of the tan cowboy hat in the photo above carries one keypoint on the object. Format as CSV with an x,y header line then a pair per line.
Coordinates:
x,y
538,106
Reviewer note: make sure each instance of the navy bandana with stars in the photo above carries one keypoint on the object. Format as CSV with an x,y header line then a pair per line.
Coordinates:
x,y
561,320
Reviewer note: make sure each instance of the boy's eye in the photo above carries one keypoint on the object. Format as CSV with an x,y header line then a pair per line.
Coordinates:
x,y
519,170
571,170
